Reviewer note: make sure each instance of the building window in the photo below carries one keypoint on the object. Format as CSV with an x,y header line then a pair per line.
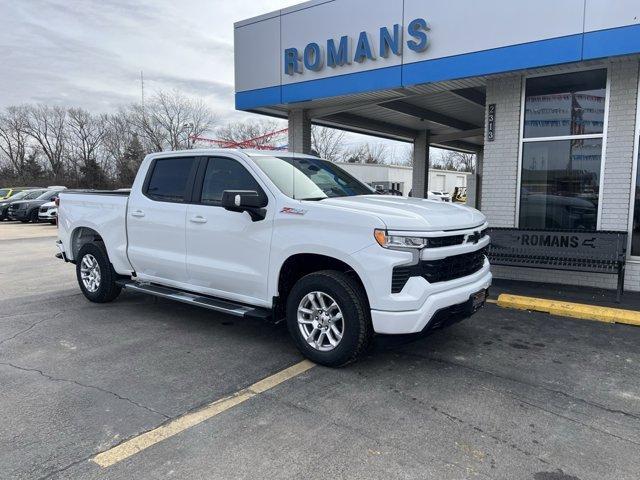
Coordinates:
x,y
562,141
635,227
635,196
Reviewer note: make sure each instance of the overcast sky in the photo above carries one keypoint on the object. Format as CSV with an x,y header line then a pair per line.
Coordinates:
x,y
89,53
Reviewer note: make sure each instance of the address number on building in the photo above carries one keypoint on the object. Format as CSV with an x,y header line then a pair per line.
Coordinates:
x,y
491,122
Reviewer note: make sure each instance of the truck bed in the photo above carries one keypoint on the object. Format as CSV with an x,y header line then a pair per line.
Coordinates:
x,y
103,211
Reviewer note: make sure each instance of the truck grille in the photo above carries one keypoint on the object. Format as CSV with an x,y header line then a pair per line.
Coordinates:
x,y
443,270
437,242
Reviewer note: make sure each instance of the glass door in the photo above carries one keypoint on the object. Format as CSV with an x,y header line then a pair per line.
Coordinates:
x,y
634,227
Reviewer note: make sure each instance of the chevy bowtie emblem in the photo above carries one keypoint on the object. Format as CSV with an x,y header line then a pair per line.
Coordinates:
x,y
474,237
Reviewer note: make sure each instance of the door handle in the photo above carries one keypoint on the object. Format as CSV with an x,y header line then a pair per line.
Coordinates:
x,y
137,213
198,219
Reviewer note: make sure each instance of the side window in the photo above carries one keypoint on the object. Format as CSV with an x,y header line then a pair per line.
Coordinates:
x,y
168,181
225,174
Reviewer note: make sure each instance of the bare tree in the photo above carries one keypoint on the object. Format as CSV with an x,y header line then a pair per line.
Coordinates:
x,y
406,155
151,132
85,135
42,144
171,121
14,140
47,126
117,136
327,143
367,153
251,134
453,160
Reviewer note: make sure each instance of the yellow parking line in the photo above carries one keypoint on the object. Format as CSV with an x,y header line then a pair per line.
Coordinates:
x,y
150,438
568,309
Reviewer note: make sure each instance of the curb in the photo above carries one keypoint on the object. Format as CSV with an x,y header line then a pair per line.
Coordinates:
x,y
572,310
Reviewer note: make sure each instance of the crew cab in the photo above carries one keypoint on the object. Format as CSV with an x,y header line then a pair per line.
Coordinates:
x,y
279,236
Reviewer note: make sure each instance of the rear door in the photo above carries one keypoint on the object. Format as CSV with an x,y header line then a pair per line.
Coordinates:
x,y
156,218
228,253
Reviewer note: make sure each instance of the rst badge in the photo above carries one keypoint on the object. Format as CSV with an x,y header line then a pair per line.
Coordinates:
x,y
293,211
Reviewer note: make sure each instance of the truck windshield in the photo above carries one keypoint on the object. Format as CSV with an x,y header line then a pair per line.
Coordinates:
x,y
310,178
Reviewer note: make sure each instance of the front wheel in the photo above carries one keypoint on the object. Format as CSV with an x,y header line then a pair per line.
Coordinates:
x,y
34,216
96,276
329,318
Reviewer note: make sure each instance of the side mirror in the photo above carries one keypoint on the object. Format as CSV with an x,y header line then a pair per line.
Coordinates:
x,y
248,201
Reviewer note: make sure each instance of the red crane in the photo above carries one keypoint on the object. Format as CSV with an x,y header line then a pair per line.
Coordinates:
x,y
261,142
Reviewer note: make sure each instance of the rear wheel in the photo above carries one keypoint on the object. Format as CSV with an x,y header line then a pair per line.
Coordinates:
x,y
33,216
328,318
96,276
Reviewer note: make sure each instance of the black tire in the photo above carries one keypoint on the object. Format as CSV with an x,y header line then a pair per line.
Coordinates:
x,y
351,299
107,290
33,216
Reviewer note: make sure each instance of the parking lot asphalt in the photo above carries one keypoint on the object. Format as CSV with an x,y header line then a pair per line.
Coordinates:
x,y
504,395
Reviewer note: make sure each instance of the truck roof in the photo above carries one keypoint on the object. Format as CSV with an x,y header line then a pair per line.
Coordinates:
x,y
222,151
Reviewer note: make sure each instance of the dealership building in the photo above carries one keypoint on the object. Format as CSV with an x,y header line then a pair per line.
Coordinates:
x,y
545,93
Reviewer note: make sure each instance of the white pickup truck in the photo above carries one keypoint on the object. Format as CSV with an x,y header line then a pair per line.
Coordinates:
x,y
280,236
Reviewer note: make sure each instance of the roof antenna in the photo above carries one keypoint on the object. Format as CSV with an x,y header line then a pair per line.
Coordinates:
x,y
142,89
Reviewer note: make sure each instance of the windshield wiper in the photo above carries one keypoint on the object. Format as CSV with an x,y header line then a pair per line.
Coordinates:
x,y
314,199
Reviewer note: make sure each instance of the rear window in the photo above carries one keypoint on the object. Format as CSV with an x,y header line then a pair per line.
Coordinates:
x,y
168,181
47,194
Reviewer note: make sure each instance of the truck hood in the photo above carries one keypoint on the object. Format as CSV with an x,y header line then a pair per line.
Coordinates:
x,y
406,213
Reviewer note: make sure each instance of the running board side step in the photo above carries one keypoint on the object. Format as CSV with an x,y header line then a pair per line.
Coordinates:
x,y
223,306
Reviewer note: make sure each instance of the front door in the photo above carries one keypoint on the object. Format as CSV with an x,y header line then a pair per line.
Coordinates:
x,y
156,218
227,252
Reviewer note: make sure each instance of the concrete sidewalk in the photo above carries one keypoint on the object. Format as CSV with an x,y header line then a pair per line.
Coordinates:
x,y
567,293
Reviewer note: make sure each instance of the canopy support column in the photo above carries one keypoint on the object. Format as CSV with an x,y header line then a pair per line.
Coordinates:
x,y
420,184
299,131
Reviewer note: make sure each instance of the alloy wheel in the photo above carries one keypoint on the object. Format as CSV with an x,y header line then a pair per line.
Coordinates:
x,y
320,321
90,273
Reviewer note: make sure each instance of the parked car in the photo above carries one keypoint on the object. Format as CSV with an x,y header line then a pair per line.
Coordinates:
x,y
276,235
48,213
6,193
438,196
27,210
22,195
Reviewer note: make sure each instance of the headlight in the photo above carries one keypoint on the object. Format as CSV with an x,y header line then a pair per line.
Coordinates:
x,y
399,241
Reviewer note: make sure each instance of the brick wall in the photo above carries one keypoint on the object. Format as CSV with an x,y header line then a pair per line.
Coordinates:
x,y
500,162
501,165
623,77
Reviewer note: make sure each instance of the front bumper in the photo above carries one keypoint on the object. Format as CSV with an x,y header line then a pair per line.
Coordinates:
x,y
415,321
49,215
18,214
